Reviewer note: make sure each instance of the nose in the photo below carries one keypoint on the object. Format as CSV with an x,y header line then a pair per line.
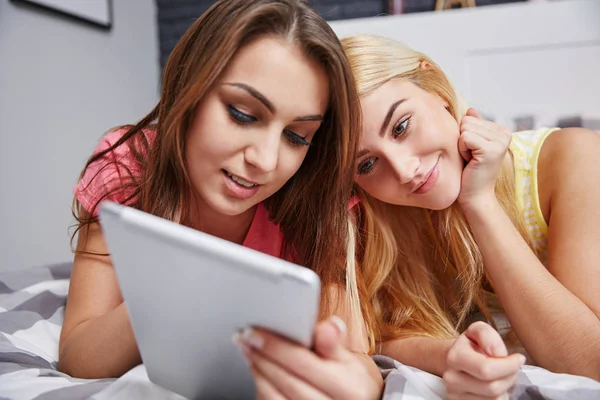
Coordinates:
x,y
263,152
404,166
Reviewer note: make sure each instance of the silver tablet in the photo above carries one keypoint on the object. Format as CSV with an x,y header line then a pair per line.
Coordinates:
x,y
188,292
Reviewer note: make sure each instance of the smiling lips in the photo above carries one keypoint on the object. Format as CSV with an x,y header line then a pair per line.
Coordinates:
x,y
239,187
240,181
430,181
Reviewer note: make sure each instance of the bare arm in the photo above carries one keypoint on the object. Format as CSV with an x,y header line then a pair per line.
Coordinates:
x,y
555,312
96,340
357,339
425,353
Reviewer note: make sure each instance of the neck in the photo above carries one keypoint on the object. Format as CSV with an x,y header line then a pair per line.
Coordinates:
x,y
233,228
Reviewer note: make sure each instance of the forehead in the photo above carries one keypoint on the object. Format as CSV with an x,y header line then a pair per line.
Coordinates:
x,y
283,74
390,92
376,104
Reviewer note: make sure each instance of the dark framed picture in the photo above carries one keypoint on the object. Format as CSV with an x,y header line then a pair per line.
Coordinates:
x,y
96,12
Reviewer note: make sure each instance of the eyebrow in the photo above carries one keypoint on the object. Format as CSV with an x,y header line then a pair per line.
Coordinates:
x,y
386,122
256,94
361,153
260,97
389,115
315,117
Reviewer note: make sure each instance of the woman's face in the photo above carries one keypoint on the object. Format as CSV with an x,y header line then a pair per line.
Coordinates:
x,y
251,133
409,147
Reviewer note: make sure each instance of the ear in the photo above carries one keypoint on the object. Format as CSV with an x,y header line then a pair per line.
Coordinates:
x,y
425,64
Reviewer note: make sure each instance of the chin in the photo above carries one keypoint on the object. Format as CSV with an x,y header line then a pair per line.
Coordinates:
x,y
233,208
440,206
443,201
222,205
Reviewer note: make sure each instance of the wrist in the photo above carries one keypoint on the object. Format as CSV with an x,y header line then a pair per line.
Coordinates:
x,y
447,346
479,205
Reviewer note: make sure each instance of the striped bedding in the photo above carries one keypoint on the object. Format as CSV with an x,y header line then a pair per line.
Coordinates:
x,y
31,313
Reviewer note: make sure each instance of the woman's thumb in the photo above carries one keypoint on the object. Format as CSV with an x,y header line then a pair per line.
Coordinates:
x,y
471,112
329,338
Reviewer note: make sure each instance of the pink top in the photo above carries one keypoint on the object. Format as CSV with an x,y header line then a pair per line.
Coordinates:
x,y
354,200
104,175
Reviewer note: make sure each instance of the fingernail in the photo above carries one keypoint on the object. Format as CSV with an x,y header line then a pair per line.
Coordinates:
x,y
245,350
339,323
252,339
523,359
236,339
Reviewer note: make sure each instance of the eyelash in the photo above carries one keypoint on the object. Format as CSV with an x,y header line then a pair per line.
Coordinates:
x,y
367,166
240,117
406,123
244,119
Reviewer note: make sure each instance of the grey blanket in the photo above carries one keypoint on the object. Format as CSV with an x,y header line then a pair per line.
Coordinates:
x,y
31,313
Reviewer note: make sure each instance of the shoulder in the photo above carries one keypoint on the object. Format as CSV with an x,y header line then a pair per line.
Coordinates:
x,y
569,157
569,147
111,138
565,139
113,152
112,173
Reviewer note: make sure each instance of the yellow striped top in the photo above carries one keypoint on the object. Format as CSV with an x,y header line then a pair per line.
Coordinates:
x,y
525,148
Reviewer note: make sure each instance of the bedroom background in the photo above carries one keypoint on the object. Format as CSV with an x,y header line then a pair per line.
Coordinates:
x,y
64,81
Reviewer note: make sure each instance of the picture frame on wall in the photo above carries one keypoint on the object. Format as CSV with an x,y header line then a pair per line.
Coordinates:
x,y
95,12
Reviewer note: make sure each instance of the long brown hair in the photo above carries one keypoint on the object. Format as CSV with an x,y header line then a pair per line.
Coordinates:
x,y
311,208
422,269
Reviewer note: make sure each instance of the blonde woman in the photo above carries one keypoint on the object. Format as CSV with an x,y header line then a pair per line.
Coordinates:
x,y
459,215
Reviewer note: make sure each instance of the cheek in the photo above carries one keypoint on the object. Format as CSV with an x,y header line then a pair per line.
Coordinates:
x,y
452,130
290,162
378,188
438,127
211,138
456,165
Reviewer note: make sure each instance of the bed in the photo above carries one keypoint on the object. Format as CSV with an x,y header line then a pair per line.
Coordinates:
x,y
32,305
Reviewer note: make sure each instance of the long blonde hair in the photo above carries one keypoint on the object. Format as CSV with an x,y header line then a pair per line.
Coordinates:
x,y
422,269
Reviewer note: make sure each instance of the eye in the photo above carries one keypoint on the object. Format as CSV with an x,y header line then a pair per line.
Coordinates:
x,y
294,139
366,167
400,128
240,117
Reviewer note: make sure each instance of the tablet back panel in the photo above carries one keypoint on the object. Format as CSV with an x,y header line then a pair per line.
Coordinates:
x,y
188,292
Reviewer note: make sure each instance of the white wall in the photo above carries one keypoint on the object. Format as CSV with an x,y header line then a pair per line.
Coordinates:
x,y
62,84
509,60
